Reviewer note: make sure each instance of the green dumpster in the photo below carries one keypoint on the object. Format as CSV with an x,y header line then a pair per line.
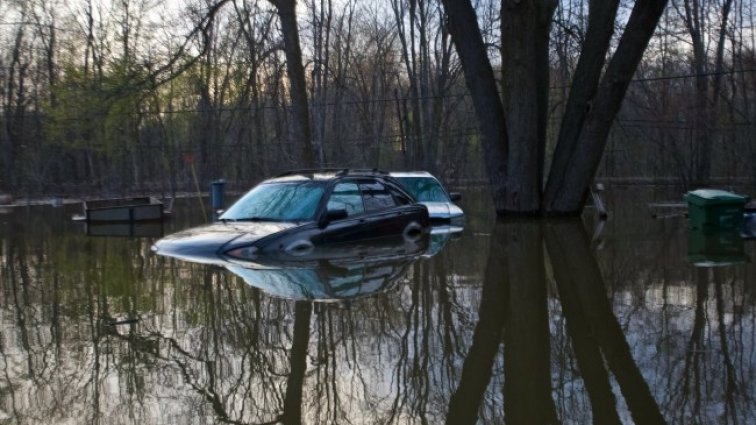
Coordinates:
x,y
715,209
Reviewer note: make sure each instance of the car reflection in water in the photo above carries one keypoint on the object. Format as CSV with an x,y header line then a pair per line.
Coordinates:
x,y
440,234
335,272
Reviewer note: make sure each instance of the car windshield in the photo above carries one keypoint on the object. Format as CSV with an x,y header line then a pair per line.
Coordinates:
x,y
424,189
290,201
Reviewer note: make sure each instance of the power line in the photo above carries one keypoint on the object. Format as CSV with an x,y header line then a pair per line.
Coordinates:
x,y
686,76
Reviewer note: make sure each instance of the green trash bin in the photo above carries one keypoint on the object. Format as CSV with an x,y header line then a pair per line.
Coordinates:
x,y
715,209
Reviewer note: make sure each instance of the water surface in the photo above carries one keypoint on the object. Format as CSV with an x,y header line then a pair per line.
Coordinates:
x,y
514,321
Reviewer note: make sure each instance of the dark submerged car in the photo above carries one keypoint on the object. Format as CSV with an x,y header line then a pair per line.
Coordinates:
x,y
299,210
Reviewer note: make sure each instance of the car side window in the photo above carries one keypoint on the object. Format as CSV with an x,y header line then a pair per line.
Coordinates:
x,y
376,196
346,196
400,197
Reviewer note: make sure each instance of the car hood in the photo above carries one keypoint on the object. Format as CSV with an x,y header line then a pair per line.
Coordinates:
x,y
203,244
443,210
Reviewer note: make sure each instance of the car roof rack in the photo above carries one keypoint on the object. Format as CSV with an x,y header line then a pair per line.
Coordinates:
x,y
337,171
362,172
309,171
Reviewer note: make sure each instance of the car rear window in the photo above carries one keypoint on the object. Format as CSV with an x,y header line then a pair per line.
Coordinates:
x,y
424,189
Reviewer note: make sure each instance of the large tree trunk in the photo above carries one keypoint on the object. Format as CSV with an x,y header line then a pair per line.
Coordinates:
x,y
515,169
567,187
479,76
583,89
525,72
297,83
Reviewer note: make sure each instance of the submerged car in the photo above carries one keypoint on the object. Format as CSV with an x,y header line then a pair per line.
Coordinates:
x,y
297,211
430,192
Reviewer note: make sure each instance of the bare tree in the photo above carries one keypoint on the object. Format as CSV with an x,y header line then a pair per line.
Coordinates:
x,y
479,76
696,16
298,85
15,99
513,154
426,53
91,91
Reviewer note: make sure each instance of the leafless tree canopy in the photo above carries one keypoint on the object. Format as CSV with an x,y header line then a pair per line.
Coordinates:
x,y
538,99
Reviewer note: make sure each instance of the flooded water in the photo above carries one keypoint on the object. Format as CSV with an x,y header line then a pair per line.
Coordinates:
x,y
517,322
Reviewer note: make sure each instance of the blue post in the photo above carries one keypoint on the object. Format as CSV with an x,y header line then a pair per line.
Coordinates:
x,y
216,195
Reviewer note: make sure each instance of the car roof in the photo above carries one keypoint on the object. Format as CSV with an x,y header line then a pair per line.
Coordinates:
x,y
400,174
325,174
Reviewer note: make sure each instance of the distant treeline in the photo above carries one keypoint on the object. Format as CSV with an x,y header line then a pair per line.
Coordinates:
x,y
136,95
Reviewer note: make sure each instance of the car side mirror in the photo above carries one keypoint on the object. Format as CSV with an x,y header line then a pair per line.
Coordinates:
x,y
332,215
455,196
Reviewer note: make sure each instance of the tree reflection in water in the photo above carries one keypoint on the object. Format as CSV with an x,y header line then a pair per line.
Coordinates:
x,y
536,329
514,304
595,332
